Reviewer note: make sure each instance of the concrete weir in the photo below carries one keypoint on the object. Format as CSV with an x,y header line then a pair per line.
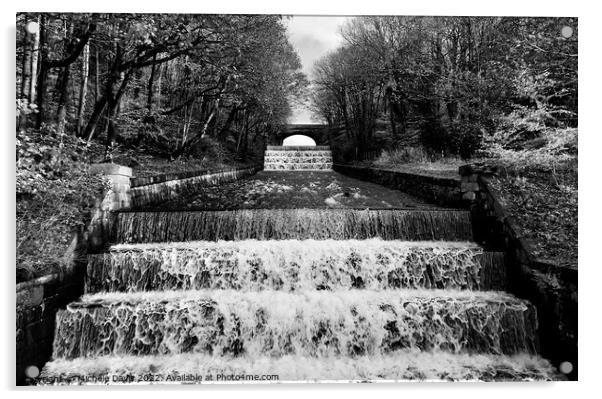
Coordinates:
x,y
280,224
306,158
319,294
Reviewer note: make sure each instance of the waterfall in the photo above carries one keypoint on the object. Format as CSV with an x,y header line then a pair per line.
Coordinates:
x,y
279,224
298,158
304,294
294,265
311,323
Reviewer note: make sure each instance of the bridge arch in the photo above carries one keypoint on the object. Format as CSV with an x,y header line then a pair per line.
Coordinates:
x,y
317,132
299,140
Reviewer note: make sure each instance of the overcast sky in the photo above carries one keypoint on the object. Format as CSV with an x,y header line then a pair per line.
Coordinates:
x,y
313,37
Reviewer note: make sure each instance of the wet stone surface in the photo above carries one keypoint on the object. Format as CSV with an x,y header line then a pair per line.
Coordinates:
x,y
285,190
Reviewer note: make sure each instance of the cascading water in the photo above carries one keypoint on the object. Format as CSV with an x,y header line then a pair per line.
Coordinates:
x,y
281,224
297,158
274,323
307,294
295,265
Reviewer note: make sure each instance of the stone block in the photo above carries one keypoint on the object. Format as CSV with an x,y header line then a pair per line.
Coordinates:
x,y
110,169
120,180
30,296
469,196
469,186
470,178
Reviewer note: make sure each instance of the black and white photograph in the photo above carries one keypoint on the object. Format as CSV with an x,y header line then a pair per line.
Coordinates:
x,y
275,199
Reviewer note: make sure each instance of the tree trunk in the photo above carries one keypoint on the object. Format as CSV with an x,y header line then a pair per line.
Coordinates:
x,y
99,109
97,76
149,98
26,69
160,67
83,89
34,65
25,75
112,131
114,101
65,97
43,75
231,117
64,100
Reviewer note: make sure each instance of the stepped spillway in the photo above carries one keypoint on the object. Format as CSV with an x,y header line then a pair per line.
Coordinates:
x,y
298,158
274,323
281,224
300,294
295,265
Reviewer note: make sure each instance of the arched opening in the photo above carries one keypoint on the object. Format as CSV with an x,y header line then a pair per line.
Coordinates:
x,y
299,140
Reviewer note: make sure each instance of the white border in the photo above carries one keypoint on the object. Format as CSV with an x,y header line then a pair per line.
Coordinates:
x,y
590,147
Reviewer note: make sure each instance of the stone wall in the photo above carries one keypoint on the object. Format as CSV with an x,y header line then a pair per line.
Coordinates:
x,y
551,288
38,300
156,189
437,190
117,197
37,303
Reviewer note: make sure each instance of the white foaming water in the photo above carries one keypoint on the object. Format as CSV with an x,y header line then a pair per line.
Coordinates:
x,y
289,265
403,366
310,323
298,159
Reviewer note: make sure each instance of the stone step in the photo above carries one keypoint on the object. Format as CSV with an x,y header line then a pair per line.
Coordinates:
x,y
287,160
276,323
301,158
298,153
296,265
266,224
204,369
324,166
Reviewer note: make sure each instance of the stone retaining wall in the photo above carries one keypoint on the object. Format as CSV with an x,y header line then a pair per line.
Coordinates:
x,y
551,288
152,190
438,190
37,303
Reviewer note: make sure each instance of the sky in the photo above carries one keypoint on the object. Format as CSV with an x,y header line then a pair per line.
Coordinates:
x,y
313,37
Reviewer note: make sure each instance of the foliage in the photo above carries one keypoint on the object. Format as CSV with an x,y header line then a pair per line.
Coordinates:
x,y
545,206
524,141
418,160
54,196
403,155
454,78
173,79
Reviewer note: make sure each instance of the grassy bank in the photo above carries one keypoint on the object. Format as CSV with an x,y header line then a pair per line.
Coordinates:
x,y
537,179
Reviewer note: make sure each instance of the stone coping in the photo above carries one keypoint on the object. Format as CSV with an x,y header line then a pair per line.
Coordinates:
x,y
110,169
439,180
145,181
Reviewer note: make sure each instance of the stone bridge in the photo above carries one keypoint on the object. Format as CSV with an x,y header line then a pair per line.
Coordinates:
x,y
318,132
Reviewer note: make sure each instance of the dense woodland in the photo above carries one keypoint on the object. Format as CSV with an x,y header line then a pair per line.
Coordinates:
x,y
161,81
449,83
